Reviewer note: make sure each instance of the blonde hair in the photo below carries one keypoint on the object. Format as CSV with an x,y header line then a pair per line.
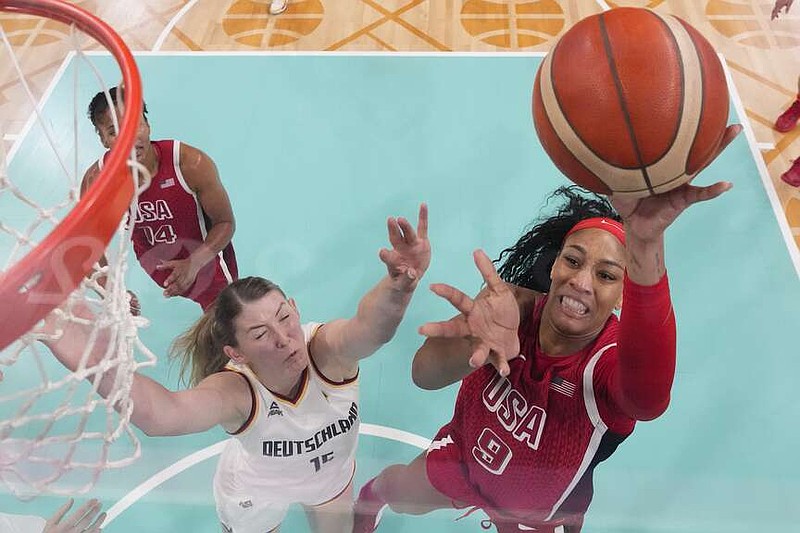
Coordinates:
x,y
200,348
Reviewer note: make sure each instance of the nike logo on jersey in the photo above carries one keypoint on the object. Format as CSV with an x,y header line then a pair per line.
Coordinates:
x,y
247,504
274,410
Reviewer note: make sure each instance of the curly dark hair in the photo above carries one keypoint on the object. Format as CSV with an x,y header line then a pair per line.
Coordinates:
x,y
528,262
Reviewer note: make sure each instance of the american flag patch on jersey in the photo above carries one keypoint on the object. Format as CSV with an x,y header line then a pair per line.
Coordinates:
x,y
167,183
559,384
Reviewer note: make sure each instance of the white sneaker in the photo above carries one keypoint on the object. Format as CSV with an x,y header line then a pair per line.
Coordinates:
x,y
278,6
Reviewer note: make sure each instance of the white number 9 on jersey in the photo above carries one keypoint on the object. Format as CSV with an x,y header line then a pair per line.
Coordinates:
x,y
491,452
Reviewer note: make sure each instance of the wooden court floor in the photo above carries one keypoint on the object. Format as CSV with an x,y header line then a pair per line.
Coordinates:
x,y
763,55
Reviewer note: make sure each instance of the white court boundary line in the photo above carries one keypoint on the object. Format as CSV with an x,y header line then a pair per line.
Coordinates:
x,y
198,457
312,53
172,23
766,180
603,5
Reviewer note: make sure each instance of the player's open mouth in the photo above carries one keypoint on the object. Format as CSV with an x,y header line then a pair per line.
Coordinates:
x,y
573,306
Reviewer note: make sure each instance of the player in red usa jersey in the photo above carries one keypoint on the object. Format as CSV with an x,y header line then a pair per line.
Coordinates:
x,y
566,380
184,221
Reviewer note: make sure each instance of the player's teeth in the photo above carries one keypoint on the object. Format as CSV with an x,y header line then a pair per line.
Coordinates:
x,y
574,305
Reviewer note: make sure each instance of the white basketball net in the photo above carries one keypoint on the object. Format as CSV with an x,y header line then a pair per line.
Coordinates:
x,y
56,433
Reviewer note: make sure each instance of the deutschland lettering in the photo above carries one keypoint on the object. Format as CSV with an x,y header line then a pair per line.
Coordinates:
x,y
289,448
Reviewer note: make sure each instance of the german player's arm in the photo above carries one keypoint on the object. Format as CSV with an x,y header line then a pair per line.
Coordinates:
x,y
342,343
221,398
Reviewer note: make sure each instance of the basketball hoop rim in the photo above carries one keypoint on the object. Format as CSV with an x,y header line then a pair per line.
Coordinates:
x,y
46,276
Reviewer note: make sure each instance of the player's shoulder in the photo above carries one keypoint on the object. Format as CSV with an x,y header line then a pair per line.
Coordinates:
x,y
530,303
187,150
90,176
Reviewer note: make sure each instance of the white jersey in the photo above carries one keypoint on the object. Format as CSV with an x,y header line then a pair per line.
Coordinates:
x,y
21,524
298,450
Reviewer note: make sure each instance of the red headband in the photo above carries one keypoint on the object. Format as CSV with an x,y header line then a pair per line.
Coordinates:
x,y
607,224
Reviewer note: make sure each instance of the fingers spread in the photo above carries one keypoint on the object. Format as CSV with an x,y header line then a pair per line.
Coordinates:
x,y
455,327
458,299
409,235
59,514
479,355
395,235
422,223
487,270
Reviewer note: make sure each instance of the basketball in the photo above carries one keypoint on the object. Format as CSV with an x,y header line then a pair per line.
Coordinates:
x,y
631,102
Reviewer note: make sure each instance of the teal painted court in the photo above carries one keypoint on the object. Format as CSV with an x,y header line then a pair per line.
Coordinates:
x,y
316,151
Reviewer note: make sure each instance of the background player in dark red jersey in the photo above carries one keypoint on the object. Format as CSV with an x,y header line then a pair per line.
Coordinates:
x,y
566,380
787,121
183,229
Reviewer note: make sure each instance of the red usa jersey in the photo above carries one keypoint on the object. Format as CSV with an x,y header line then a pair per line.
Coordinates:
x,y
170,224
528,443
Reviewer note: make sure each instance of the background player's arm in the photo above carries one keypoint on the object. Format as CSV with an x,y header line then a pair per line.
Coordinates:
x,y
202,178
221,398
88,179
339,345
442,361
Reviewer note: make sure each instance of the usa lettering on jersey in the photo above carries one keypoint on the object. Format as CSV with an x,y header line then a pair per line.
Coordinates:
x,y
525,422
289,448
157,211
152,211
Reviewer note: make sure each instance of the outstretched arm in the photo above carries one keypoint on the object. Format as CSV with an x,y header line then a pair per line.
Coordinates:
x,y
485,331
642,380
219,399
343,342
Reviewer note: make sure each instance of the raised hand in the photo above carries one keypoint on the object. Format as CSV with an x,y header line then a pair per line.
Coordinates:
x,y
85,519
647,218
184,272
490,321
67,339
410,255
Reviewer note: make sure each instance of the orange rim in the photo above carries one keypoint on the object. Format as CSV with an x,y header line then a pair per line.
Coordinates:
x,y
47,275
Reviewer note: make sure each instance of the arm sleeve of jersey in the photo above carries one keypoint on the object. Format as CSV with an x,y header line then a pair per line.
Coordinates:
x,y
309,330
640,378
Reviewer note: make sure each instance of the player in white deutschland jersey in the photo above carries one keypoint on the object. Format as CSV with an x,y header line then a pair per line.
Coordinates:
x,y
287,393
299,449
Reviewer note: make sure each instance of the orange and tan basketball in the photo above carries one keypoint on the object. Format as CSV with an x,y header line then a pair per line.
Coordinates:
x,y
630,101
